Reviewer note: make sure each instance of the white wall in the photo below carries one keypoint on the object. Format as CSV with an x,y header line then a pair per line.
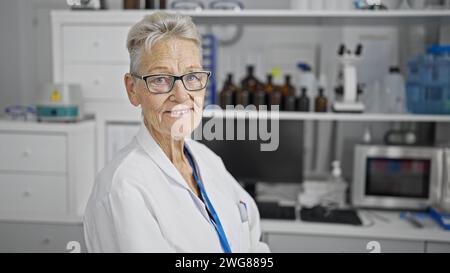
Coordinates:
x,y
25,48
9,53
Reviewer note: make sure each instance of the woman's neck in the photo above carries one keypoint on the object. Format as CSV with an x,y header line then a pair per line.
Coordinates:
x,y
174,149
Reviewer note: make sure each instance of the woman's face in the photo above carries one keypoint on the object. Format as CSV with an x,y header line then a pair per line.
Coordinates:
x,y
178,112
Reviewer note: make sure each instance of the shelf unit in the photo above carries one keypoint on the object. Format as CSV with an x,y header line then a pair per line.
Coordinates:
x,y
107,42
361,117
319,17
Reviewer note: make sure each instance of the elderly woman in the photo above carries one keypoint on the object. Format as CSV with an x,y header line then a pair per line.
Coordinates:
x,y
162,192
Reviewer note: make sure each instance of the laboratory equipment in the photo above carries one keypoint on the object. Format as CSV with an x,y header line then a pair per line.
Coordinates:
x,y
394,94
348,90
21,112
307,79
330,191
428,83
155,4
86,4
187,5
396,177
131,4
323,214
248,164
320,103
273,92
228,93
209,55
288,92
226,5
303,101
275,210
59,102
444,201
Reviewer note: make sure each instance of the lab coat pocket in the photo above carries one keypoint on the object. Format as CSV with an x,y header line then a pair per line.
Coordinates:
x,y
245,237
244,226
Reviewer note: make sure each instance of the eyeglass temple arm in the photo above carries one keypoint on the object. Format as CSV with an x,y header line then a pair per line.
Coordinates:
x,y
137,76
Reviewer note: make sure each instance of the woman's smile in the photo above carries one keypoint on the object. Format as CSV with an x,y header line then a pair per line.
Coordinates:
x,y
177,113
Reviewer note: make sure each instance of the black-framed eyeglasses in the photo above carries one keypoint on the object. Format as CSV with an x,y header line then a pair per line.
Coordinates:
x,y
163,83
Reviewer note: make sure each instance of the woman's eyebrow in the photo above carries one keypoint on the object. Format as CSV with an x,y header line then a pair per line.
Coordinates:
x,y
159,69
193,68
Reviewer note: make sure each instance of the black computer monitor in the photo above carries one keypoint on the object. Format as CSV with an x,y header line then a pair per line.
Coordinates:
x,y
248,164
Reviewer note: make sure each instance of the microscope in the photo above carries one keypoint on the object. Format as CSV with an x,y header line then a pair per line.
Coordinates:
x,y
347,92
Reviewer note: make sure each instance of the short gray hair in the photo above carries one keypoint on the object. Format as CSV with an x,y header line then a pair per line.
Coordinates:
x,y
157,26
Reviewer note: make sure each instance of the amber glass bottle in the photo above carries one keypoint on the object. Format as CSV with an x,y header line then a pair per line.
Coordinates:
x,y
273,93
131,4
250,83
303,101
228,93
288,92
320,102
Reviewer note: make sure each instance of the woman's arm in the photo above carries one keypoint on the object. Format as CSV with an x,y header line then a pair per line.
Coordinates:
x,y
122,222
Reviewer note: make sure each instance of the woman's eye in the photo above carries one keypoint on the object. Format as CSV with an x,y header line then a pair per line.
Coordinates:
x,y
191,77
160,80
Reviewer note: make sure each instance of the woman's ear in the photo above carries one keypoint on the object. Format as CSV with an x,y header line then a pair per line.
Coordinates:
x,y
131,87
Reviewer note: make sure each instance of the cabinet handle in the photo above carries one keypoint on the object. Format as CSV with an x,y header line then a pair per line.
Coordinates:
x,y
96,44
46,240
27,193
26,153
97,81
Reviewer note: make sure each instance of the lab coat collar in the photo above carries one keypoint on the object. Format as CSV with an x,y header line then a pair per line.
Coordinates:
x,y
158,156
148,143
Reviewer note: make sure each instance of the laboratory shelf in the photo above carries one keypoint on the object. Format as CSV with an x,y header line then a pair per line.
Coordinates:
x,y
269,16
359,117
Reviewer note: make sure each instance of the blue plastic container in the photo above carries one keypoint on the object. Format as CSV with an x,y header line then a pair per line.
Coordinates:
x,y
428,83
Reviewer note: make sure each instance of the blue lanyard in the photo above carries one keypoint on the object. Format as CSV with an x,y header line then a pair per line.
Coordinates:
x,y
215,218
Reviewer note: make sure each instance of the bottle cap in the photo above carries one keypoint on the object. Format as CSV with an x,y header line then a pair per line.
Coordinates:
x,y
304,66
394,69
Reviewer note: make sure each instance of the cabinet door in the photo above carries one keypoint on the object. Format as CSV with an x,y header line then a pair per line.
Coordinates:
x,y
87,44
30,194
32,152
37,237
98,81
309,243
433,247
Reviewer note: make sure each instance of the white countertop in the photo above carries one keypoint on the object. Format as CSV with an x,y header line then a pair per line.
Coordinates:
x,y
394,228
40,218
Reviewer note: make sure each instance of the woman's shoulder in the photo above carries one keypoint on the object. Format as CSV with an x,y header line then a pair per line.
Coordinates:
x,y
126,166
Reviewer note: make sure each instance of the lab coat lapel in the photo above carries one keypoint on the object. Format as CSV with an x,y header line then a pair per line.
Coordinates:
x,y
152,148
211,190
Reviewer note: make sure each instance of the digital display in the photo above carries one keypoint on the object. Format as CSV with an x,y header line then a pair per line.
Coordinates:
x,y
408,178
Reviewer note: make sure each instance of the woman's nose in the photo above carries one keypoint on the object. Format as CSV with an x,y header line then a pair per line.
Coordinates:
x,y
179,92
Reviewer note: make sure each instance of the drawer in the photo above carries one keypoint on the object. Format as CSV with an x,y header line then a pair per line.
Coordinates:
x,y
26,193
88,44
326,244
98,81
39,237
32,152
437,247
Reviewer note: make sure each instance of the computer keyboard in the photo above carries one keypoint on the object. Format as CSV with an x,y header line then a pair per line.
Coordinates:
x,y
324,215
272,210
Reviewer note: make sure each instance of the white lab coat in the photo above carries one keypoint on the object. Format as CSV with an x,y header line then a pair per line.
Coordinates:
x,y
141,203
